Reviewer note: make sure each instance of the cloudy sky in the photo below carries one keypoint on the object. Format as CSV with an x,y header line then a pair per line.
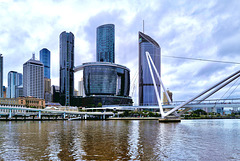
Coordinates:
x,y
207,29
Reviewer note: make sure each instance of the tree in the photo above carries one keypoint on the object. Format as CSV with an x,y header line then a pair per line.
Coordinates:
x,y
99,104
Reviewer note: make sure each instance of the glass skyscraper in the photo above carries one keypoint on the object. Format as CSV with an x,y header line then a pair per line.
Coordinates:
x,y
106,43
45,59
147,94
66,67
13,82
1,76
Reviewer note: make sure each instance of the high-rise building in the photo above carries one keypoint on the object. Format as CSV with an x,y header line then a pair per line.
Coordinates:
x,y
147,94
33,78
66,67
55,91
1,76
19,79
47,90
12,84
81,88
106,43
4,92
165,100
45,59
19,91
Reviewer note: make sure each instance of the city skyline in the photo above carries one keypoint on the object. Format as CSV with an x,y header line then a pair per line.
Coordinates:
x,y
207,30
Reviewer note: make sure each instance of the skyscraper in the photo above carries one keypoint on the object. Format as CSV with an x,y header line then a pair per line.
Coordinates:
x,y
66,67
12,84
45,59
106,43
147,94
33,78
19,79
1,76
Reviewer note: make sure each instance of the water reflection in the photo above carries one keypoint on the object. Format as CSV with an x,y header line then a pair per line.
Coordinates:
x,y
120,140
133,139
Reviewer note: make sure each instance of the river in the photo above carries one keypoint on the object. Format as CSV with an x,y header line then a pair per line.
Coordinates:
x,y
120,140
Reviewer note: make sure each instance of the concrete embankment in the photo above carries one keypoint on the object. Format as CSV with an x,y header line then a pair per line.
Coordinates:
x,y
133,118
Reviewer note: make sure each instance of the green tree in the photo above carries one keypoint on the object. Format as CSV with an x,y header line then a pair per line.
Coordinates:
x,y
99,104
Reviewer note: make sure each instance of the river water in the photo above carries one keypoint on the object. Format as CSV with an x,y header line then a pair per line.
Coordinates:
x,y
120,140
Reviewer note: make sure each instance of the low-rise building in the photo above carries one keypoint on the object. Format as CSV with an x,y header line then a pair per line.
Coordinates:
x,y
30,102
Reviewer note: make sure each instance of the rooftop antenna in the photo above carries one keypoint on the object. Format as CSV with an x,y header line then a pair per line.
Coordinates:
x,y
33,56
143,26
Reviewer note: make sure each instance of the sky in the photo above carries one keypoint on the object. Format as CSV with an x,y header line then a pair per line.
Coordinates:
x,y
206,29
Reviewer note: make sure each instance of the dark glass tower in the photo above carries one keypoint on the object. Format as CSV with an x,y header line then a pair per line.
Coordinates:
x,y
45,59
66,67
106,43
147,94
1,76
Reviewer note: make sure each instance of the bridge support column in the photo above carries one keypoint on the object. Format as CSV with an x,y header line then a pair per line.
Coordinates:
x,y
10,113
39,114
85,116
170,119
64,115
104,117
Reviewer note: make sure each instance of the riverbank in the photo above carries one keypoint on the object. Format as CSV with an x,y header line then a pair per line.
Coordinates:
x,y
133,118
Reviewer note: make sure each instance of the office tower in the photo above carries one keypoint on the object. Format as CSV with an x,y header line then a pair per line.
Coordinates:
x,y
147,94
1,76
55,91
45,59
19,79
47,90
33,78
12,84
106,43
81,88
19,91
165,100
66,67
4,92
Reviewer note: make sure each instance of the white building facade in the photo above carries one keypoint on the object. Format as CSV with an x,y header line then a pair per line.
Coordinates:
x,y
33,78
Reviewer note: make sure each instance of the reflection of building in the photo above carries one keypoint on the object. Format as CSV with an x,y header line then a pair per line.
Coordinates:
x,y
106,43
105,83
24,101
147,94
33,78
1,76
165,100
66,67
14,80
45,59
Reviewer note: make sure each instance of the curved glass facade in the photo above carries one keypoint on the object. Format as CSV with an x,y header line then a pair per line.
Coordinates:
x,y
106,43
106,79
45,59
147,94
